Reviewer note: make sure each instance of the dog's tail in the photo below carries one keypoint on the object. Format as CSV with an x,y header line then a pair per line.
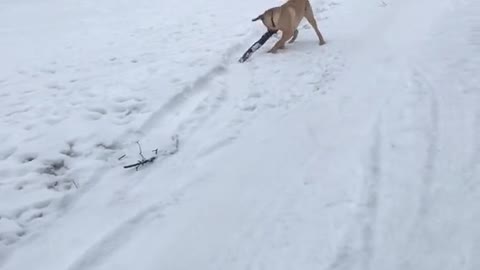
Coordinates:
x,y
260,17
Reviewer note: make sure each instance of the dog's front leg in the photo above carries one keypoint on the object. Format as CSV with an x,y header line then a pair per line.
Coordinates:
x,y
311,19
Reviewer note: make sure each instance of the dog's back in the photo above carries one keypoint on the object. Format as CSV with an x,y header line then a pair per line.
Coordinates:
x,y
298,5
288,15
295,9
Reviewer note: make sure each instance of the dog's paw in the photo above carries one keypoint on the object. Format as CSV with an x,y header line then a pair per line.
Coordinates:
x,y
272,51
322,42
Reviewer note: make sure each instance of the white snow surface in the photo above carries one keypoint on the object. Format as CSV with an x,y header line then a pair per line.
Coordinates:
x,y
360,154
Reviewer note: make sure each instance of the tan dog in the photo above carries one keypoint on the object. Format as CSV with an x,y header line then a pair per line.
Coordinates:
x,y
286,18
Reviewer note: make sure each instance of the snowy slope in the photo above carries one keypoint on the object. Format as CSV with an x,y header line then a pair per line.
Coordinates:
x,y
361,154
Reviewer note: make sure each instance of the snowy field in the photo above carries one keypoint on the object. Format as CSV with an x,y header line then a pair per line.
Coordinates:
x,y
360,154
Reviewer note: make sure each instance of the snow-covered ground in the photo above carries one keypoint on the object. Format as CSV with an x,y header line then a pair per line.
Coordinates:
x,y
361,154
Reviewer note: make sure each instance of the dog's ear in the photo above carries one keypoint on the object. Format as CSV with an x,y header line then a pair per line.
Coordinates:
x,y
260,17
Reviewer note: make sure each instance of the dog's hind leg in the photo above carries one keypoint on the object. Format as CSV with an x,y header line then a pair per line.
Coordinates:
x,y
281,43
311,20
295,35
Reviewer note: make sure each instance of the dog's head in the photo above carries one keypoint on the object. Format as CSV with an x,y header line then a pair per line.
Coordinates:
x,y
268,19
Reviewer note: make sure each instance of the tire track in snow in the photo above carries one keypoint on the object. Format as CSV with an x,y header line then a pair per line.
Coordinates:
x,y
112,241
186,95
343,260
473,21
428,174
372,197
208,107
358,244
473,166
193,95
